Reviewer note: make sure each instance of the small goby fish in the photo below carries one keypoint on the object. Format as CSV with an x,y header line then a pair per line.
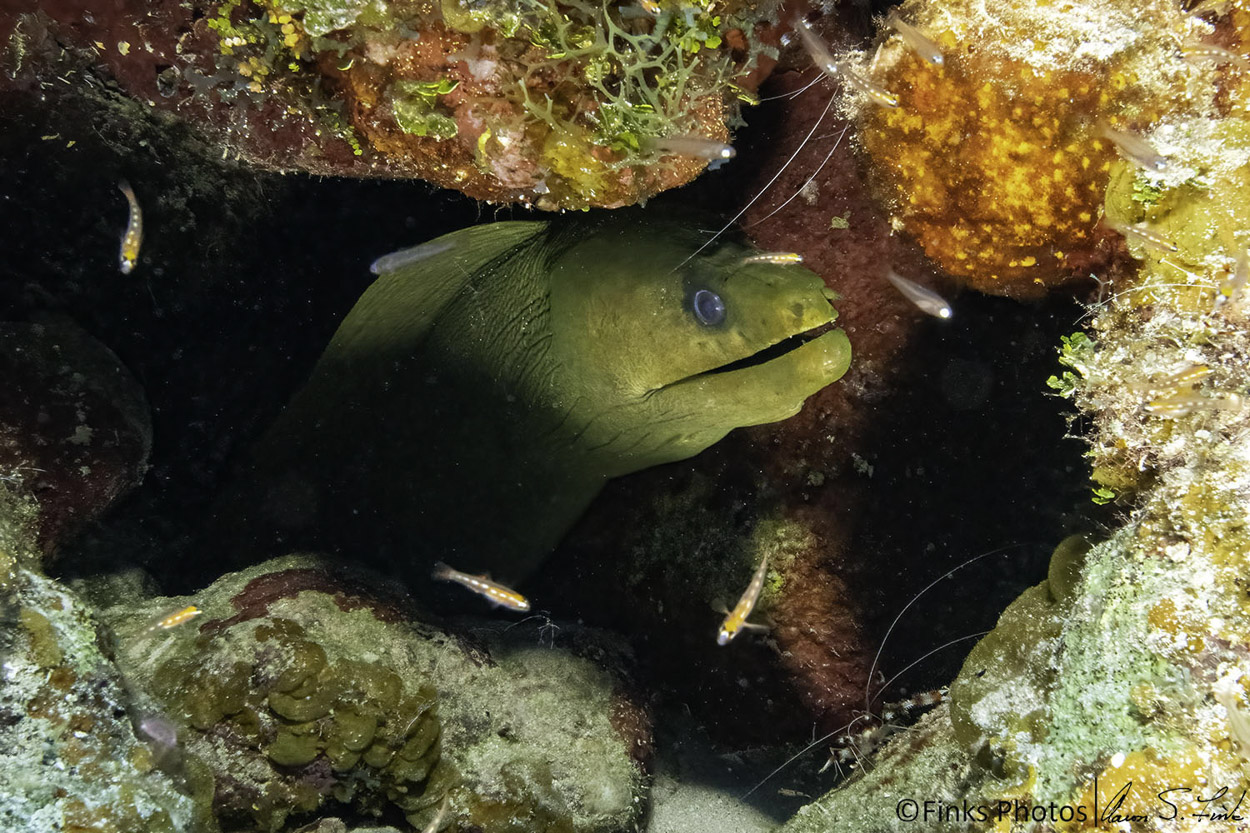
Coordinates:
x,y
1182,403
699,146
1142,234
176,618
876,93
777,258
924,48
1134,148
406,257
817,49
823,58
925,299
1186,377
736,619
495,592
1195,51
133,238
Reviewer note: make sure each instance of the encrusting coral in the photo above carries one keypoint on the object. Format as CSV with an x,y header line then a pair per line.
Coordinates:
x,y
72,758
997,159
300,692
560,105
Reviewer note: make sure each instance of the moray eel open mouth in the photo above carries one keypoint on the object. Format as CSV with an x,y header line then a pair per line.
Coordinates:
x,y
797,348
774,351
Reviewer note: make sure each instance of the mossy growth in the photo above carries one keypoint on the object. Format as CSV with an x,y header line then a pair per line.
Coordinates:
x,y
700,545
998,700
338,730
780,541
559,103
415,105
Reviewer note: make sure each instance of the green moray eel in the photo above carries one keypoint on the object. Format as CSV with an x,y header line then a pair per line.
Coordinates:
x,y
487,385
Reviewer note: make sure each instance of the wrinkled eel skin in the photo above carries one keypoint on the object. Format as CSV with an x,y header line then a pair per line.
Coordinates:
x,y
487,385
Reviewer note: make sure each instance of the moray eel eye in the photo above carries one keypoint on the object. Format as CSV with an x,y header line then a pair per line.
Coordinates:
x,y
707,307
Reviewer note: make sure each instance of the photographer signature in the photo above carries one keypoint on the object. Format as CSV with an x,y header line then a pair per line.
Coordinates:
x,y
1179,801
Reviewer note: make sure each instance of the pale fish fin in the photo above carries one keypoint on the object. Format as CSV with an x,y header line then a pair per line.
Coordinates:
x,y
405,257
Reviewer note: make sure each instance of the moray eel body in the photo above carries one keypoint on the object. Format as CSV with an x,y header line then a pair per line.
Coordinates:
x,y
487,385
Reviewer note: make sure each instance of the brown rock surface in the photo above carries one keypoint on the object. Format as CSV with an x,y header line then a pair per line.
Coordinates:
x,y
74,426
559,106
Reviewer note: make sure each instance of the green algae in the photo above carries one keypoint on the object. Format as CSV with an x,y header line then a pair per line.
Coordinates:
x,y
415,104
511,733
279,692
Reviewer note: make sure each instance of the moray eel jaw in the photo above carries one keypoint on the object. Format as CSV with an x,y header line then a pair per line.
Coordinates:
x,y
666,352
770,385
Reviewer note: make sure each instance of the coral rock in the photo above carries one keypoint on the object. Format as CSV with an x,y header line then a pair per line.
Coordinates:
x,y
1126,669
996,161
74,425
559,105
72,760
301,692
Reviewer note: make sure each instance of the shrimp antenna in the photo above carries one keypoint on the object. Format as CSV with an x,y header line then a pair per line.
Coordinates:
x,y
914,599
1092,308
845,728
815,173
763,190
803,752
916,662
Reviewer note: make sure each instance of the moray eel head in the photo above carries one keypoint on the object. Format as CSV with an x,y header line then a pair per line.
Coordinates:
x,y
672,351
